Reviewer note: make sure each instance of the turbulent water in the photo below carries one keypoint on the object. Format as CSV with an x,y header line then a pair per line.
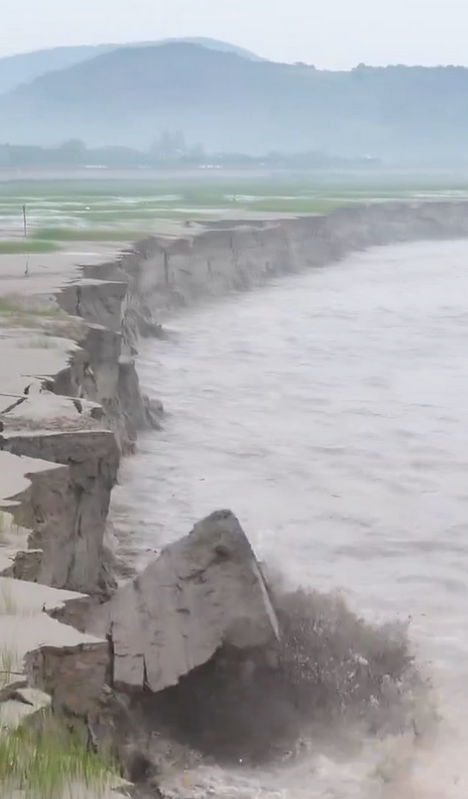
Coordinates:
x,y
329,411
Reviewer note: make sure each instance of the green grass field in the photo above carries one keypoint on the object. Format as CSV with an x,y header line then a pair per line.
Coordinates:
x,y
18,246
62,211
44,236
50,764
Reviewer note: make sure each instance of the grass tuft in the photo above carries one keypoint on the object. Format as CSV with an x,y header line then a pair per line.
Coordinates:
x,y
8,526
55,234
8,306
25,246
5,522
8,605
48,764
17,305
8,665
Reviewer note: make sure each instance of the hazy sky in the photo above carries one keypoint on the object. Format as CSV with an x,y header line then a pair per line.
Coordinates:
x,y
329,33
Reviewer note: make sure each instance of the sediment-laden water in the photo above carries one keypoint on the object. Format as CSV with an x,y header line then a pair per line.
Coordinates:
x,y
329,411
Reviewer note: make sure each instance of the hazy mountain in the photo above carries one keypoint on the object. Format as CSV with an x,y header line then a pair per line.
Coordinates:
x,y
130,95
25,67
214,44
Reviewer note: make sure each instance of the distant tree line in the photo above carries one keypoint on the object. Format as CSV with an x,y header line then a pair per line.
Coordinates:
x,y
168,150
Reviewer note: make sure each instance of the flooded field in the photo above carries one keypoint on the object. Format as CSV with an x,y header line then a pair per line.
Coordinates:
x,y
113,208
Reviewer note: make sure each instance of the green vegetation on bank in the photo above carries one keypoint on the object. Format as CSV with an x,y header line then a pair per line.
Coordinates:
x,y
25,246
85,234
8,657
6,307
43,764
119,210
21,309
203,186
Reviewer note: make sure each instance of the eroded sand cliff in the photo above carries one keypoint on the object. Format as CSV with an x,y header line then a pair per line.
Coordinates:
x,y
71,403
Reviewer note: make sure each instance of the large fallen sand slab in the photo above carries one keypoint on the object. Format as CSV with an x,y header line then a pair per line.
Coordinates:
x,y
205,591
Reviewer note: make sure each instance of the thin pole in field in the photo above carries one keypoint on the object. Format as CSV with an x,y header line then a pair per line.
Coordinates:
x,y
25,228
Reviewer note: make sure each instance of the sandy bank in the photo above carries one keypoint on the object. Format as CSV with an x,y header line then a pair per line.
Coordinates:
x,y
71,403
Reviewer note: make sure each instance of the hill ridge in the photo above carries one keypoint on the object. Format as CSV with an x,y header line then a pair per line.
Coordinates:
x,y
129,96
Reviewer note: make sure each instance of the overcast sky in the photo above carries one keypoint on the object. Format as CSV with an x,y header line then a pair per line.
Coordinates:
x,y
330,33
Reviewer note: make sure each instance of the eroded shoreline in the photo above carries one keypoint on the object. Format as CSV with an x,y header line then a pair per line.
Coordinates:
x,y
141,286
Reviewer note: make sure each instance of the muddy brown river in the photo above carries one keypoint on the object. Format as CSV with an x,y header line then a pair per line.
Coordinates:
x,y
329,411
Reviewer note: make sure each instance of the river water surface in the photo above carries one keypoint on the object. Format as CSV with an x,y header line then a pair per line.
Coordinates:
x,y
329,411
